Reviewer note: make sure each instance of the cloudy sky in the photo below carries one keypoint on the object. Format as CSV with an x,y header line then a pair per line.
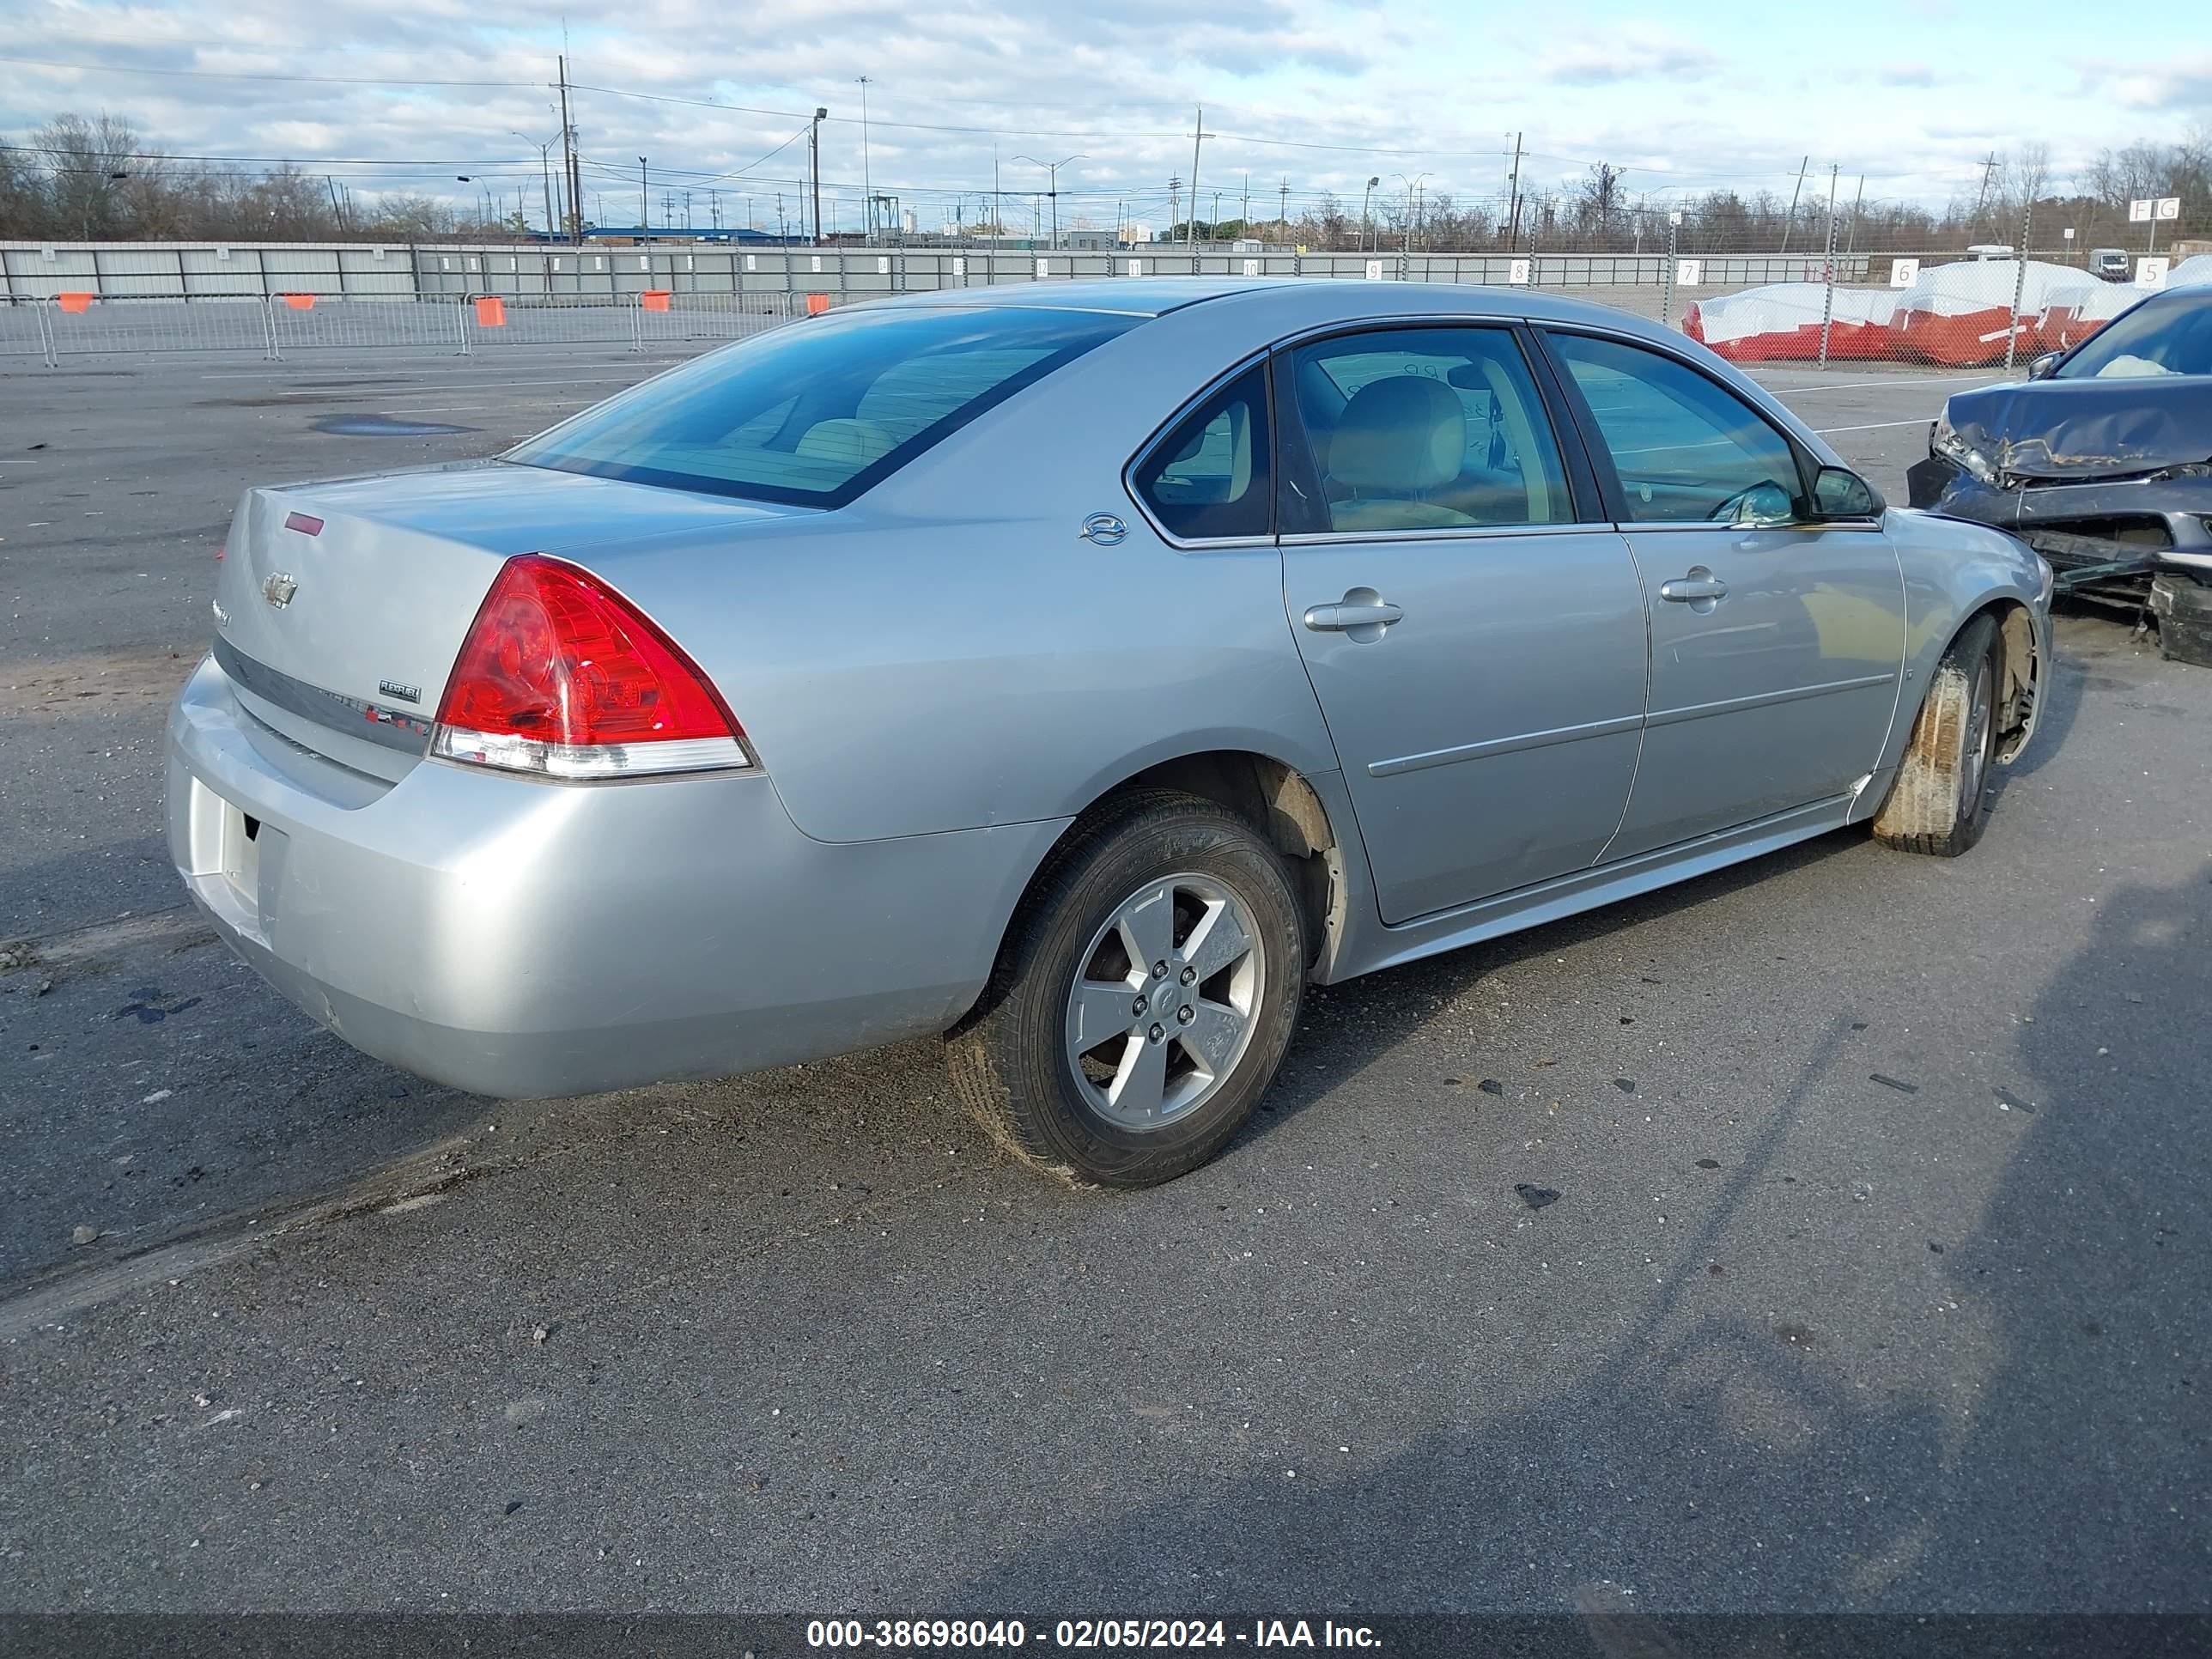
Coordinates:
x,y
1319,95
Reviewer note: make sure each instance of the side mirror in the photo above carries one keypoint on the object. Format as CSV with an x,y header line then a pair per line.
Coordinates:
x,y
1840,493
2045,367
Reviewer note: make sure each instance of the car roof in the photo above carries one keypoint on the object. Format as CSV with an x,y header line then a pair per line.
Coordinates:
x,y
1292,303
1140,296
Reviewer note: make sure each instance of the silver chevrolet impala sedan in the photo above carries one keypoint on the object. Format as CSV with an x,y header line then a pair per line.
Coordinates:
x,y
1077,670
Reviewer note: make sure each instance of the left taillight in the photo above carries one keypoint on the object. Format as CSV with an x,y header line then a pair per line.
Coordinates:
x,y
563,677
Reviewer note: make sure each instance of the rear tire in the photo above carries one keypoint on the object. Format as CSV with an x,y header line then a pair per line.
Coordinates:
x,y
1939,803
1085,1061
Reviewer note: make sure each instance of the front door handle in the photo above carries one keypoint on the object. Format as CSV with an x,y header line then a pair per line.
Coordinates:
x,y
1700,585
1363,613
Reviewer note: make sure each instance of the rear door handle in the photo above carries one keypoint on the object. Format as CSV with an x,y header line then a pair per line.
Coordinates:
x,y
1690,589
1352,614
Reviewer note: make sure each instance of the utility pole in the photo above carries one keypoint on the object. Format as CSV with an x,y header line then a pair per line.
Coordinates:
x,y
1792,223
1513,199
569,170
1857,202
1989,173
1197,137
644,213
1175,196
997,223
336,211
1283,208
1366,217
814,160
868,181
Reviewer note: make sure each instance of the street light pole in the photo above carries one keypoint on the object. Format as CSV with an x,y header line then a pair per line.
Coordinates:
x,y
644,217
545,170
814,160
868,179
1366,218
1052,188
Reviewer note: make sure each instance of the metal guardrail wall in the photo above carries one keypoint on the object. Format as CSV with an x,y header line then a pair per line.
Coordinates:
x,y
212,270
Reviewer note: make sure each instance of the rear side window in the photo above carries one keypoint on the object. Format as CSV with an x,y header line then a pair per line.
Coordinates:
x,y
816,412
1210,477
1426,429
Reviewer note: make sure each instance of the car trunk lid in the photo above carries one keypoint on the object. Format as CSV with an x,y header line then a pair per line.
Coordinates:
x,y
341,606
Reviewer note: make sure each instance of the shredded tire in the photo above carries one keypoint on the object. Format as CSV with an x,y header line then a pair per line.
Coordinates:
x,y
1926,811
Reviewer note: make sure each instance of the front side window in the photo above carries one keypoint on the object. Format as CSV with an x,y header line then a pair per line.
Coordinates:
x,y
816,412
1210,477
1426,429
1686,449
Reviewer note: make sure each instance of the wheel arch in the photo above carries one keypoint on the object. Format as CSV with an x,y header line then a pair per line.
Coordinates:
x,y
1277,798
2021,654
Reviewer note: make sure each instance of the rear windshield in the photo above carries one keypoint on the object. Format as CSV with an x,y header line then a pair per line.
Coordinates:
x,y
815,412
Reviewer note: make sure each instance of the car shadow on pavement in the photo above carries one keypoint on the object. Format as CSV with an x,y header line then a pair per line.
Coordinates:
x,y
1346,1027
1993,1400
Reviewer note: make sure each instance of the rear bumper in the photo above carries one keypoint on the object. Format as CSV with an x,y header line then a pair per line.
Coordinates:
x,y
513,938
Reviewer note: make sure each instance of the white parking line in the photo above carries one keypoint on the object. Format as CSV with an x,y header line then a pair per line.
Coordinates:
x,y
1874,426
1903,382
396,383
465,409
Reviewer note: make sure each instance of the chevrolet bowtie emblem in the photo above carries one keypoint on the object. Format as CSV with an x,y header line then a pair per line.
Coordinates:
x,y
279,589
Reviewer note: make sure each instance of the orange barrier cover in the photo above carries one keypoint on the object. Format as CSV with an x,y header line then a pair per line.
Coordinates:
x,y
491,311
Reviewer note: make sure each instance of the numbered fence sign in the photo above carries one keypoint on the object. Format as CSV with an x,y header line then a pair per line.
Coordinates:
x,y
1903,273
882,264
1374,271
1136,267
1251,267
1688,273
1518,271
2150,271
1044,267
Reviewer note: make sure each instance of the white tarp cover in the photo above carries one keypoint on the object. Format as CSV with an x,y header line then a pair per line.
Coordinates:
x,y
1958,314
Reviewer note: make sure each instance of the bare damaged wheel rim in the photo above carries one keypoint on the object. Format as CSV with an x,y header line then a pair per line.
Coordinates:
x,y
1981,721
1165,999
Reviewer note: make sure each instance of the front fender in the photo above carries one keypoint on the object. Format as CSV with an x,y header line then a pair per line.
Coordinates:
x,y
1952,571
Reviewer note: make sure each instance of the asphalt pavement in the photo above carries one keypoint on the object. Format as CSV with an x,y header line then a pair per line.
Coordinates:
x,y
1829,1233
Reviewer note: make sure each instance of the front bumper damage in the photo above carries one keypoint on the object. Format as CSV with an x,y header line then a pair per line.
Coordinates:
x,y
2108,538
